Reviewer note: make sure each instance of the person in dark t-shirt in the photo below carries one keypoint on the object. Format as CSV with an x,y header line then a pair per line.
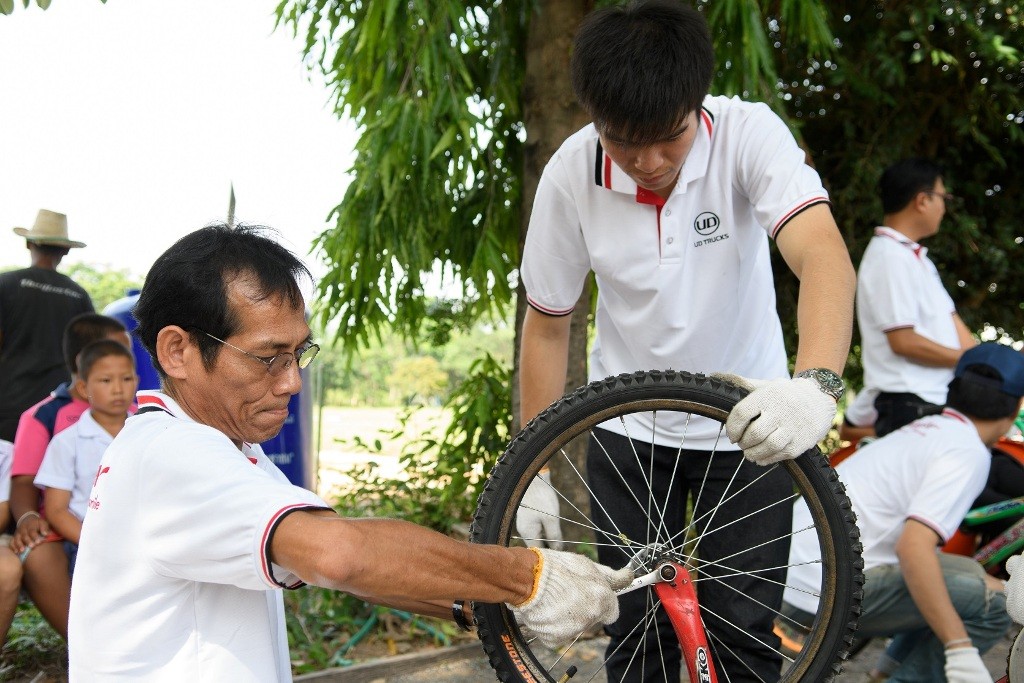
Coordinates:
x,y
36,304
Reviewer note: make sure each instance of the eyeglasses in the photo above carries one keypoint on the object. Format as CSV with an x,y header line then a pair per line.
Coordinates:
x,y
277,365
947,197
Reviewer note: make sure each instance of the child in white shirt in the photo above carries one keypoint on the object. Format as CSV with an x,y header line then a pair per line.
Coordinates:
x,y
69,468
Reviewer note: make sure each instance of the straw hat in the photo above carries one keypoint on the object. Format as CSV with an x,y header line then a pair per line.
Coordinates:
x,y
50,228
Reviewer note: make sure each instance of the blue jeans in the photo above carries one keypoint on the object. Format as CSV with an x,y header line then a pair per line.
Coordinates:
x,y
888,610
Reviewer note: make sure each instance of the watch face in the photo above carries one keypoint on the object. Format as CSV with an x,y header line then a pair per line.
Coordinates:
x,y
830,382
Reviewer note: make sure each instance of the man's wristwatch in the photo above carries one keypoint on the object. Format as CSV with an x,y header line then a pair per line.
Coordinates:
x,y
828,381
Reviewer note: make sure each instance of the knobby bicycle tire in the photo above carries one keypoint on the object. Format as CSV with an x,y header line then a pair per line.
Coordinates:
x,y
511,653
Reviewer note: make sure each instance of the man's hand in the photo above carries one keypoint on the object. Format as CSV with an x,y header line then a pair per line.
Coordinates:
x,y
570,595
779,419
537,519
1015,589
964,665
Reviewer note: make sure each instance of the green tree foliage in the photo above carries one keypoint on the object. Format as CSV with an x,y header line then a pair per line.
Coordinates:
x,y
7,6
935,79
438,90
385,372
104,284
435,88
419,379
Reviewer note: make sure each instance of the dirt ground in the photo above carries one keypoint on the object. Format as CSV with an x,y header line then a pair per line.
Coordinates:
x,y
474,669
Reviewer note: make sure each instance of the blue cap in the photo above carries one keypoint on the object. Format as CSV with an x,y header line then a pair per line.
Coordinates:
x,y
1001,358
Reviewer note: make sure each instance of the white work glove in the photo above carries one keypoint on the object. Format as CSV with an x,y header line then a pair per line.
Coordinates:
x,y
779,419
537,518
1015,589
571,594
964,665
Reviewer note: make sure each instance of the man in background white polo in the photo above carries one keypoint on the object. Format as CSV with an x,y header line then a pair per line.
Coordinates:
x,y
911,334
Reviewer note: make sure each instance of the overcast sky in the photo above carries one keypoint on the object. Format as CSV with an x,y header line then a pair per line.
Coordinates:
x,y
134,118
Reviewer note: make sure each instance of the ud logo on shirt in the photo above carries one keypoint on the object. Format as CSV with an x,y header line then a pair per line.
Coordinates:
x,y
706,224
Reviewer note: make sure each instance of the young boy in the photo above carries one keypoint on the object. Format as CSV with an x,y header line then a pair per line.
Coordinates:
x,y
107,378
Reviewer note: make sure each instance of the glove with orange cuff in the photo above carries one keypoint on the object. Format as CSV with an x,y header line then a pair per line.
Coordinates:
x,y
571,593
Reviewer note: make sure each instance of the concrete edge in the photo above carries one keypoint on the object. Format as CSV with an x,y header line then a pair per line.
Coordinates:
x,y
393,666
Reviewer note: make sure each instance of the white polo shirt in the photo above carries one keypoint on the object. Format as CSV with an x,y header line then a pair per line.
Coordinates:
x,y
72,459
899,287
684,283
860,412
930,470
173,580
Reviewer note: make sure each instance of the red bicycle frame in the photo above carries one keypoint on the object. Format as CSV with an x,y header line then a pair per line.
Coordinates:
x,y
679,599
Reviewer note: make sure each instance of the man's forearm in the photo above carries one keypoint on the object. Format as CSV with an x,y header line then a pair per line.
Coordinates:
x,y
921,350
815,252
361,561
543,363
919,563
825,319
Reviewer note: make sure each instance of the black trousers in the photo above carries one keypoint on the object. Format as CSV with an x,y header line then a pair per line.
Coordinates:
x,y
733,608
898,409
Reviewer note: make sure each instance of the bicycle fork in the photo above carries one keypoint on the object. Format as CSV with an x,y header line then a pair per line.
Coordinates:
x,y
674,588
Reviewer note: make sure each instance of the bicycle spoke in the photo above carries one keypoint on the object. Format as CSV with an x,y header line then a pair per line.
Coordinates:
x,y
700,493
624,540
608,655
650,484
738,629
766,607
718,642
735,494
711,532
657,632
622,479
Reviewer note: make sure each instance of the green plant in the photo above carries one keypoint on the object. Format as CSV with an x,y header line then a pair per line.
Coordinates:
x,y
326,628
32,647
442,475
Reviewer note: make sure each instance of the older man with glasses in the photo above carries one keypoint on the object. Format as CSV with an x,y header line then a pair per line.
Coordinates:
x,y
192,532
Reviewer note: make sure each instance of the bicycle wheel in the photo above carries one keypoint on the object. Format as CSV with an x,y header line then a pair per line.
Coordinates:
x,y
655,397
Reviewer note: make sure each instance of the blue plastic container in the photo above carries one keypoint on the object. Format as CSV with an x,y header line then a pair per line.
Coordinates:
x,y
291,450
122,310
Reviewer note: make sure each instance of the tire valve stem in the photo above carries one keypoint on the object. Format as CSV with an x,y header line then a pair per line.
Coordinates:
x,y
569,673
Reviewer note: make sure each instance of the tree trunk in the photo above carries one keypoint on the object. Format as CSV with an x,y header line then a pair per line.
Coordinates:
x,y
551,114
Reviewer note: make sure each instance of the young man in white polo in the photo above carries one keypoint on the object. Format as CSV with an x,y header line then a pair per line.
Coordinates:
x,y
910,490
670,197
911,334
